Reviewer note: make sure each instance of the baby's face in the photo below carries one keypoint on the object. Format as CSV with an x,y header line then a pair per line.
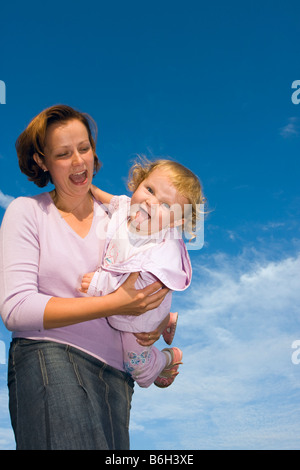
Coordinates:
x,y
156,204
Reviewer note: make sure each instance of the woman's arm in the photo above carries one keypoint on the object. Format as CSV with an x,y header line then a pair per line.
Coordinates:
x,y
142,338
124,301
24,308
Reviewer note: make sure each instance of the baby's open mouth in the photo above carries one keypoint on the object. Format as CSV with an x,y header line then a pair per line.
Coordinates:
x,y
79,178
142,215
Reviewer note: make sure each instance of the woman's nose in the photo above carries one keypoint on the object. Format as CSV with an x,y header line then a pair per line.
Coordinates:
x,y
76,158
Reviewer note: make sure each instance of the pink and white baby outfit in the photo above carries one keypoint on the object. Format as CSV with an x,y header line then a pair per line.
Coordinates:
x,y
160,256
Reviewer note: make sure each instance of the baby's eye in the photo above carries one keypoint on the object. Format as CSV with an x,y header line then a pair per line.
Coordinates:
x,y
164,204
150,190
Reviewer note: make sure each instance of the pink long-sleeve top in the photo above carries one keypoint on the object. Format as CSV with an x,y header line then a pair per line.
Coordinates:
x,y
43,257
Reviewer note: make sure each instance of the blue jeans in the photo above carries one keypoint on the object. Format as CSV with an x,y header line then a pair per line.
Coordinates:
x,y
63,398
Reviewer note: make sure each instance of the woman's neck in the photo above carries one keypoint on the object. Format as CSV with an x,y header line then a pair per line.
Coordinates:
x,y
80,207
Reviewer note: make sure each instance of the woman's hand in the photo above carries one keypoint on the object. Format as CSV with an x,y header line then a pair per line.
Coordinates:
x,y
131,301
147,339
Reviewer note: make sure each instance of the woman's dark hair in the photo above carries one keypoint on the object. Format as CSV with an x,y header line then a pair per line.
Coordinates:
x,y
32,140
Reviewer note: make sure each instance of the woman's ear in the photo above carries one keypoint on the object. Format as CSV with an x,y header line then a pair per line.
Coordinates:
x,y
39,161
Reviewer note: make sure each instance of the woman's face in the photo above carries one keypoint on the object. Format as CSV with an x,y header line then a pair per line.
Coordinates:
x,y
69,157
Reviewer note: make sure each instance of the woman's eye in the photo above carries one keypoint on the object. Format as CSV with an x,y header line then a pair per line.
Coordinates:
x,y
164,204
85,149
150,190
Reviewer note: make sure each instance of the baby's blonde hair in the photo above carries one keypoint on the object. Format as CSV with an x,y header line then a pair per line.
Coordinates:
x,y
183,179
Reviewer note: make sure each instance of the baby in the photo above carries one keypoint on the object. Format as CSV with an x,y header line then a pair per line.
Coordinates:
x,y
145,235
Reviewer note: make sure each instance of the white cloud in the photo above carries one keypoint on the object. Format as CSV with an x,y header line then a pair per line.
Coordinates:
x,y
238,387
291,129
5,200
7,441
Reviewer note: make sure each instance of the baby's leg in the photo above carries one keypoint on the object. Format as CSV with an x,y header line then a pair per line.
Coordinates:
x,y
143,363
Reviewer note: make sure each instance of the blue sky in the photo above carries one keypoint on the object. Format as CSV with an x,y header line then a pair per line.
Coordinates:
x,y
210,85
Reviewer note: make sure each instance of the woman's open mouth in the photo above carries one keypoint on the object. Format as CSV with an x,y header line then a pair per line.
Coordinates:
x,y
79,178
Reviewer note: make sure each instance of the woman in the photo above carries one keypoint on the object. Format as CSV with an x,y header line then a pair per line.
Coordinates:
x,y
67,387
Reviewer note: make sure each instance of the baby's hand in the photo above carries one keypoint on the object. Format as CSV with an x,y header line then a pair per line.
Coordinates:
x,y
95,192
85,282
100,195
